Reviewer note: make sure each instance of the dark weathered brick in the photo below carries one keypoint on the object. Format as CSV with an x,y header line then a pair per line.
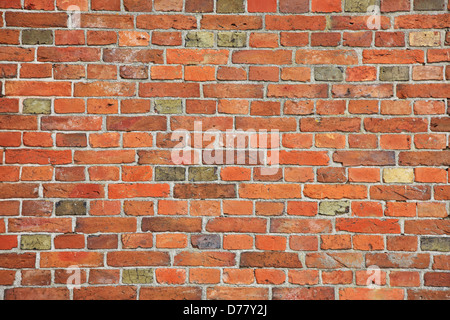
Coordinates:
x,y
232,39
394,73
435,244
137,276
202,174
36,242
359,5
199,5
37,106
33,37
170,173
329,74
429,5
70,208
200,39
204,191
332,208
169,106
230,6
209,241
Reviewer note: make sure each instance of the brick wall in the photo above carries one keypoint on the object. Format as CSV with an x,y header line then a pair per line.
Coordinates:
x,y
354,104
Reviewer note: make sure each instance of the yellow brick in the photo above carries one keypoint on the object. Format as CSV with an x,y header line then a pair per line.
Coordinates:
x,y
425,39
398,175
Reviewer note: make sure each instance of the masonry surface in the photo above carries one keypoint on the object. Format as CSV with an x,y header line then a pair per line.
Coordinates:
x,y
92,90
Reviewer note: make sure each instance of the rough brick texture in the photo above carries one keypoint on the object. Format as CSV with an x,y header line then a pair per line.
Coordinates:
x,y
88,105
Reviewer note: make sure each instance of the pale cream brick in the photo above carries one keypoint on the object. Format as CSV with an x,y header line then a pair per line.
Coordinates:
x,y
398,175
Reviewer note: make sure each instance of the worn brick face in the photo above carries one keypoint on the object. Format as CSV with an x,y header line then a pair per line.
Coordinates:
x,y
358,5
33,37
230,6
37,106
429,5
224,149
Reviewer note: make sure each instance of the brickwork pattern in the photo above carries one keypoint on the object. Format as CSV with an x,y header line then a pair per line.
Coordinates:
x,y
92,90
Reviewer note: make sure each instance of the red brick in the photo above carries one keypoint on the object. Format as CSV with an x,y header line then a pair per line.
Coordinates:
x,y
390,39
270,243
361,74
165,38
357,39
69,106
7,277
38,88
37,71
37,293
118,191
7,242
182,90
104,173
199,5
107,208
356,22
171,240
75,241
258,73
137,240
395,5
12,208
401,243
101,38
137,5
171,293
205,259
65,4
325,39
423,90
398,260
242,225
311,293
238,276
106,293
368,242
294,39
55,225
335,260
357,225
110,5
337,277
400,193
105,225
262,5
99,276
69,37
107,21
104,157
170,276
181,22
300,226
370,294
341,57
10,4
65,259
36,19
326,6
134,258
270,276
270,260
291,22
73,190
237,242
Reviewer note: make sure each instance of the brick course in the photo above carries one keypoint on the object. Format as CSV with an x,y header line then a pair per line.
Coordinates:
x,y
88,106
